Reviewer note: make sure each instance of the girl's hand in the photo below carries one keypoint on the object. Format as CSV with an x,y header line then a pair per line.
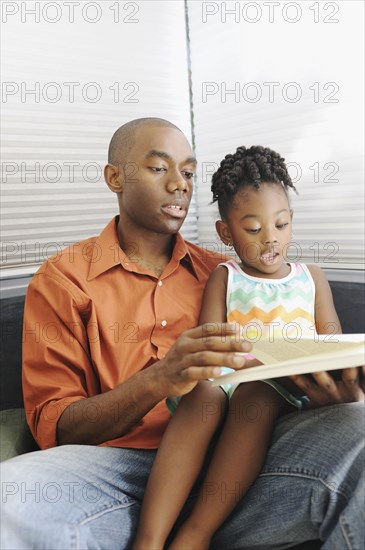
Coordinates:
x,y
324,390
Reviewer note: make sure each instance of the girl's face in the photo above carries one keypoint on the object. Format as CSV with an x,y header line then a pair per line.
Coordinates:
x,y
259,225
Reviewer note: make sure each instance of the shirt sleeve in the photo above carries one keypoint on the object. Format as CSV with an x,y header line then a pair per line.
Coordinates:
x,y
57,369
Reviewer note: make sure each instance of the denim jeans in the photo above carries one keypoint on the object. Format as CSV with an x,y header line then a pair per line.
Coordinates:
x,y
311,486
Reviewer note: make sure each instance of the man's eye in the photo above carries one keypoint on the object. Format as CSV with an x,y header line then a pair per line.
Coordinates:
x,y
282,225
158,169
189,175
253,230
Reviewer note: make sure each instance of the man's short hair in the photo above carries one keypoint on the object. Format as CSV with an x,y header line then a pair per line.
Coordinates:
x,y
125,137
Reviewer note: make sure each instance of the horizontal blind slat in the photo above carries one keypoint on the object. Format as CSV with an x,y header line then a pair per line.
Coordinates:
x,y
322,142
53,153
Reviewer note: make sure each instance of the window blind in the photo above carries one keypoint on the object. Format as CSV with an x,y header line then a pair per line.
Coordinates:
x,y
71,76
282,78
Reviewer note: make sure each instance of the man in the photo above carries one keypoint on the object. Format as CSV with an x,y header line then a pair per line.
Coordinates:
x,y
116,317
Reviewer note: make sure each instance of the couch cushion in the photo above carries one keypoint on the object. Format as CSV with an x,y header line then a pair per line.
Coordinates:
x,y
15,436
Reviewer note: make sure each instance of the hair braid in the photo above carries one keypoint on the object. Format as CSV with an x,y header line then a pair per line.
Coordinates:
x,y
248,167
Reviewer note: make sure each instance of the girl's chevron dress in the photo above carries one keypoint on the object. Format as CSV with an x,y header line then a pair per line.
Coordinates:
x,y
272,307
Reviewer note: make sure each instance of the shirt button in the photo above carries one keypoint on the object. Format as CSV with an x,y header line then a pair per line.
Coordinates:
x,y
159,283
163,323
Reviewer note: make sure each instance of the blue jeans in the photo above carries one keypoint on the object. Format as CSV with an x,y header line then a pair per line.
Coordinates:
x,y
311,486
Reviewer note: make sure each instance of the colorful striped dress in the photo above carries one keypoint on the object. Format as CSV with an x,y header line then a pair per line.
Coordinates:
x,y
271,307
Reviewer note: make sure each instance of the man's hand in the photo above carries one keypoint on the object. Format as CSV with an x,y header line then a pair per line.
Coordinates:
x,y
326,391
197,355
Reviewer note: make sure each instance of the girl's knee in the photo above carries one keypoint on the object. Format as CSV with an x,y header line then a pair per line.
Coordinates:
x,y
253,391
205,391
206,402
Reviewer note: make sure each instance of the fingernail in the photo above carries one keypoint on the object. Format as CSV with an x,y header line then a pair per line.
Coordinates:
x,y
239,359
217,371
246,346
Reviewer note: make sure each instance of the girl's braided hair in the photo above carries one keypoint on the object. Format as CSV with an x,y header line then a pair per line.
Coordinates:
x,y
248,166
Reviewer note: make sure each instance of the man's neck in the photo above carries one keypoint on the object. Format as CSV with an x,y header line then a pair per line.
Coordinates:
x,y
151,251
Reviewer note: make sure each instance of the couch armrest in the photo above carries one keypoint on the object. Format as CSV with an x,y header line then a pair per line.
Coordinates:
x,y
15,435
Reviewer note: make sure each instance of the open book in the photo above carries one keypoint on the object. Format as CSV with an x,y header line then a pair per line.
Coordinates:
x,y
284,357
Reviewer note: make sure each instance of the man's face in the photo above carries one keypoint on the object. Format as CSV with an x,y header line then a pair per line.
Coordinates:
x,y
157,181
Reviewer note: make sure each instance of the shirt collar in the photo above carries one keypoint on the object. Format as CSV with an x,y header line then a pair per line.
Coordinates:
x,y
181,253
108,253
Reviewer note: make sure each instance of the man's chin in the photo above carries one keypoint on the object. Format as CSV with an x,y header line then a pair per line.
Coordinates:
x,y
174,226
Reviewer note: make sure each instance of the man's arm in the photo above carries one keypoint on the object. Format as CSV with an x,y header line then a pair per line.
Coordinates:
x,y
62,389
325,390
196,355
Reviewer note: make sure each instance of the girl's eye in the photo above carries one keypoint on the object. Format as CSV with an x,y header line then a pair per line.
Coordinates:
x,y
282,225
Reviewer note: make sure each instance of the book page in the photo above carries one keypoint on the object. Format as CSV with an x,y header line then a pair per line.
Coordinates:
x,y
274,350
304,356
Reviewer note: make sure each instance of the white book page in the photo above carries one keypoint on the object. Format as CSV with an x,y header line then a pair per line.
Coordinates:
x,y
348,352
273,350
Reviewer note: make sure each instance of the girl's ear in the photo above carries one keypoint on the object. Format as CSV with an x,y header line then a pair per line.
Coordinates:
x,y
113,178
224,232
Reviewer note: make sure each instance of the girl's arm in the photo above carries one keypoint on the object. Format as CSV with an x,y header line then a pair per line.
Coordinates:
x,y
327,321
214,309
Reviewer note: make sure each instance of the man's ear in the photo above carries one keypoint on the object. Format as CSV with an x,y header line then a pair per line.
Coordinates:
x,y
113,178
223,232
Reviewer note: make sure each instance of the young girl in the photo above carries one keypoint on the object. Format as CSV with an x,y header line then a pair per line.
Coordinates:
x,y
266,295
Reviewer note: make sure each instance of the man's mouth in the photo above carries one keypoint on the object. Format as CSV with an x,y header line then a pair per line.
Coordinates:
x,y
175,210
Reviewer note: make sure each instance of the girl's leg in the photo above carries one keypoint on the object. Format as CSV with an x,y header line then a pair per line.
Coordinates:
x,y
236,463
178,463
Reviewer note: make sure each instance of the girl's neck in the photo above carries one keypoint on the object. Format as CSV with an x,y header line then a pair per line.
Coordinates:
x,y
282,271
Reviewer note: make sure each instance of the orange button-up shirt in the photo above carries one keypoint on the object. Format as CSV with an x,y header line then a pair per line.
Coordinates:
x,y
93,318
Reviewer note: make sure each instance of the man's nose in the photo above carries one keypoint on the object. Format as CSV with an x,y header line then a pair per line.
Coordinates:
x,y
177,182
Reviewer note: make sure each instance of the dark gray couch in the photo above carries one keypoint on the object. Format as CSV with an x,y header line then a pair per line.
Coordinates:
x,y
15,435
